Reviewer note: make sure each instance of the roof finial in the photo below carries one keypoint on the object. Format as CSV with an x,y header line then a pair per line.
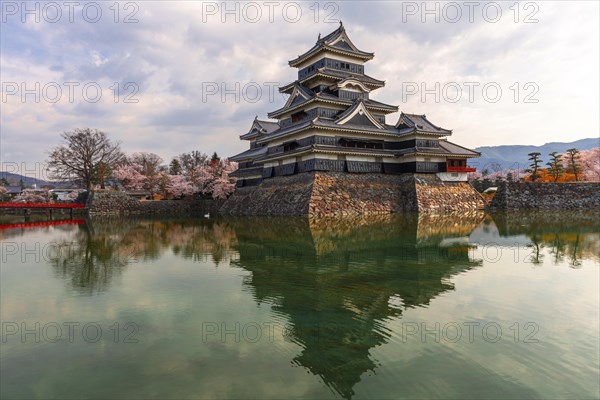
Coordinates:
x,y
319,38
341,24
255,117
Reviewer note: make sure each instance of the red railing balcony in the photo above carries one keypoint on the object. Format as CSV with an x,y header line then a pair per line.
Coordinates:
x,y
461,169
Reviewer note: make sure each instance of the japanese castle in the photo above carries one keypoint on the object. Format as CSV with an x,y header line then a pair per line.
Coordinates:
x,y
331,123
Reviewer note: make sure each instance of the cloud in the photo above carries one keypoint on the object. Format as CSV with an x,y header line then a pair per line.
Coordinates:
x,y
177,51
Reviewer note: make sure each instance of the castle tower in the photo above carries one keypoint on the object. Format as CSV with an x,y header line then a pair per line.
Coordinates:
x,y
331,124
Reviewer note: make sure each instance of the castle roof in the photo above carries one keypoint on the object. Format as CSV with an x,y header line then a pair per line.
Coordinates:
x,y
421,124
259,128
331,124
335,42
445,149
337,75
455,149
248,154
347,121
300,99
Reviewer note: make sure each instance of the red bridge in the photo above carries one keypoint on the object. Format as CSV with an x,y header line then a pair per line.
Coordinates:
x,y
49,207
41,205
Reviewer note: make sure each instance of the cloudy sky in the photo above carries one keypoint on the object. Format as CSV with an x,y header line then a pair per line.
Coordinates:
x,y
171,77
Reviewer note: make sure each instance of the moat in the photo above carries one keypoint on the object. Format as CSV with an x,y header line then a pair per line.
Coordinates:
x,y
392,306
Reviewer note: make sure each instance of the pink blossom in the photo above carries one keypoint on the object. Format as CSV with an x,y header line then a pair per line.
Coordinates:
x,y
590,164
178,186
130,177
31,196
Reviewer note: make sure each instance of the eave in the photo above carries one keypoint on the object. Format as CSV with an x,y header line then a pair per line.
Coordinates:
x,y
436,134
320,74
338,128
250,135
341,102
360,55
435,153
320,149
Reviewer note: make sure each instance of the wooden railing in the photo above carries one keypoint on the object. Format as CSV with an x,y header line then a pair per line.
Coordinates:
x,y
460,169
40,205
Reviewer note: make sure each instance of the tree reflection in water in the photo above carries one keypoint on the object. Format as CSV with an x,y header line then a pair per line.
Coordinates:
x,y
571,236
334,283
103,247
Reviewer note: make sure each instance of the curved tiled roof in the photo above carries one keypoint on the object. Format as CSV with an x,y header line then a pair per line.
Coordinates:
x,y
421,123
337,42
324,97
258,128
248,154
337,75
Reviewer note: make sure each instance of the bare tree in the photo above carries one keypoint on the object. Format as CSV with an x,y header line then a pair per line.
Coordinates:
x,y
80,155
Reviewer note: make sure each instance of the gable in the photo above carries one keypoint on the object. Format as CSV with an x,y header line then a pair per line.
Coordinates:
x,y
297,100
359,115
342,44
359,119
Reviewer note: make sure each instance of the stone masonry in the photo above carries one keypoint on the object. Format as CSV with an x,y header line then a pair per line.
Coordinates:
x,y
547,196
120,203
343,194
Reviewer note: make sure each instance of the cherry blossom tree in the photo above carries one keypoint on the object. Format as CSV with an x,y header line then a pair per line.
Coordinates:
x,y
590,164
72,196
204,175
191,165
130,177
31,196
141,171
194,172
3,193
178,185
222,185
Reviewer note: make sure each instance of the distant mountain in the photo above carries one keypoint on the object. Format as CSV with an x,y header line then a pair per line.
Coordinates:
x,y
14,179
495,158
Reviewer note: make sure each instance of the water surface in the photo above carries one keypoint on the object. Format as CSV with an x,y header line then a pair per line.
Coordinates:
x,y
471,306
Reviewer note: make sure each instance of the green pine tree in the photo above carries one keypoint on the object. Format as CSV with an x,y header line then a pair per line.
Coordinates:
x,y
534,167
555,166
573,163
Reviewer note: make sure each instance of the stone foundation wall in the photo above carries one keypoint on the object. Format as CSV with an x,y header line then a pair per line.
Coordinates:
x,y
336,193
342,194
433,195
547,196
119,203
284,195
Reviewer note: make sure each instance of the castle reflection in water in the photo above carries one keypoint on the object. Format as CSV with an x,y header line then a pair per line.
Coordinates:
x,y
336,281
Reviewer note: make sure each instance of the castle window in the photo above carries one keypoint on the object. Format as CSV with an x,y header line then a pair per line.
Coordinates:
x,y
290,146
360,144
299,116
